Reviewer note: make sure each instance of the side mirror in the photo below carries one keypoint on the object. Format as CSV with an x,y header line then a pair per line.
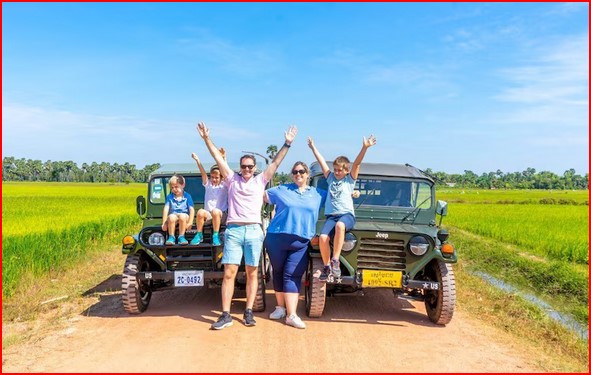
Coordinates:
x,y
140,205
441,208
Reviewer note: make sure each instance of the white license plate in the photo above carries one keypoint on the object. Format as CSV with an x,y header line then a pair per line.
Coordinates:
x,y
188,278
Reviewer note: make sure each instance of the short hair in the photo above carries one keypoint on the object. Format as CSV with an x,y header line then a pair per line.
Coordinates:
x,y
248,156
342,161
177,178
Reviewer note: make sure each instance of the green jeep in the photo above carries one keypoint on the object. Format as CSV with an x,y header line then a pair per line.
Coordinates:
x,y
151,265
396,242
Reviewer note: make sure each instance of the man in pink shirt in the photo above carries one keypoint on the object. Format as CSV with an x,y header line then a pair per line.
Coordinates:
x,y
244,234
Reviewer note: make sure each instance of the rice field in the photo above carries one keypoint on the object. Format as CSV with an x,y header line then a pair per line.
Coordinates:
x,y
46,226
558,232
502,196
535,240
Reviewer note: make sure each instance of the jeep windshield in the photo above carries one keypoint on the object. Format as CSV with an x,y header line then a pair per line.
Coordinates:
x,y
159,189
393,193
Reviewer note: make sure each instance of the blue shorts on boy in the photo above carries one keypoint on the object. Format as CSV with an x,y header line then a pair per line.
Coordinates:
x,y
332,220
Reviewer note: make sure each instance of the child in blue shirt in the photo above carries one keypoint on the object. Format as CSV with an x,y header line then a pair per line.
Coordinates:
x,y
177,209
339,211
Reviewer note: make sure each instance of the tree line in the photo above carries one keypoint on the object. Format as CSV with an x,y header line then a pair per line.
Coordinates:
x,y
67,171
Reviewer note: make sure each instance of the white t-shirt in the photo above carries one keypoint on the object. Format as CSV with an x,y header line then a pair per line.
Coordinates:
x,y
216,196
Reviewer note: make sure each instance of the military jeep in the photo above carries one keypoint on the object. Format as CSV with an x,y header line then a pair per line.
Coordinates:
x,y
396,243
151,265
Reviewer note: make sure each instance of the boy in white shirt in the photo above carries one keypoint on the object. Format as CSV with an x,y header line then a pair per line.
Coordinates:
x,y
215,205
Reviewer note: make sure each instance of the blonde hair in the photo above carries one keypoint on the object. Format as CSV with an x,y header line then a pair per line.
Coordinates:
x,y
177,179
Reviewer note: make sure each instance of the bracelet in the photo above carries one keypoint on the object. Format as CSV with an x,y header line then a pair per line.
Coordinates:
x,y
286,145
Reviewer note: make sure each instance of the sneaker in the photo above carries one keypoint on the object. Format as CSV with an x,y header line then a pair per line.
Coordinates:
x,y
225,320
170,240
279,313
197,239
249,318
216,239
324,274
295,321
335,265
182,240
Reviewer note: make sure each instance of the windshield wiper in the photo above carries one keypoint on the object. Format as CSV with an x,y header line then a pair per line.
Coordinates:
x,y
415,210
366,196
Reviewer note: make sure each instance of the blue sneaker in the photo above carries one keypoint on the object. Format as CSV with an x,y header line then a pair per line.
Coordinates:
x,y
216,239
335,266
170,240
197,239
183,240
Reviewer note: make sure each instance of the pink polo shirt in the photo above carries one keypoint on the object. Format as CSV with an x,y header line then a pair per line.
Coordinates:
x,y
245,198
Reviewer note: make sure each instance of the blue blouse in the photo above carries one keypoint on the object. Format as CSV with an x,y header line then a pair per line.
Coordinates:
x,y
295,212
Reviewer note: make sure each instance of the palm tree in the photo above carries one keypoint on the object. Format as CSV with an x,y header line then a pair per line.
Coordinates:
x,y
272,151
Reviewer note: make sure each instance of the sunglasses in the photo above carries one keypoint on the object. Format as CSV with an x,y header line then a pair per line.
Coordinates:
x,y
300,171
244,166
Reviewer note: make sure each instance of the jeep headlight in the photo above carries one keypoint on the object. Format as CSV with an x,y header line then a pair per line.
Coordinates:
x,y
418,245
156,239
350,242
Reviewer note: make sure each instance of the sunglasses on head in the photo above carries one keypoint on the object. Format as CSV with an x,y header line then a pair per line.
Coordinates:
x,y
300,171
244,166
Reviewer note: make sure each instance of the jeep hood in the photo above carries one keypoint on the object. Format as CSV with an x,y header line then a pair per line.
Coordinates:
x,y
394,227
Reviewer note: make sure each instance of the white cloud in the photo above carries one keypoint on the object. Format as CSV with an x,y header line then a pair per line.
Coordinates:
x,y
552,87
242,59
47,133
566,9
465,40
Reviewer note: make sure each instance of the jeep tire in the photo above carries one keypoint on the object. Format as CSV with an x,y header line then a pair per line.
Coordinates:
x,y
259,301
440,304
136,295
315,290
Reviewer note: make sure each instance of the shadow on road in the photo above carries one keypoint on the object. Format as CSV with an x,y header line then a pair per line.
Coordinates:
x,y
377,306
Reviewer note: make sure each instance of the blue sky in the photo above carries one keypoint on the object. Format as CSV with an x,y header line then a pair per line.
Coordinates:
x,y
447,86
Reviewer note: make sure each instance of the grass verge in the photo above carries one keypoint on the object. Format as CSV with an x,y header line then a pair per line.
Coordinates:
x,y
563,349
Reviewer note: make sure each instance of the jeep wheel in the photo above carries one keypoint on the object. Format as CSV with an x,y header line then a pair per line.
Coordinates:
x,y
259,301
440,304
315,293
136,295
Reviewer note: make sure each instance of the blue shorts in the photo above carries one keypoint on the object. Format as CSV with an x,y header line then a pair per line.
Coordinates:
x,y
243,239
331,222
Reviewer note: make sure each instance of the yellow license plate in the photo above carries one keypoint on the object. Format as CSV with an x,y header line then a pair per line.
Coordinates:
x,y
381,279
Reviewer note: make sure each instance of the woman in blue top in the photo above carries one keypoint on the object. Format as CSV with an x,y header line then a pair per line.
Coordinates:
x,y
288,236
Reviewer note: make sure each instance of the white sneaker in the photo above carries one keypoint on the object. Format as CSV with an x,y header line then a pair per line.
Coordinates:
x,y
295,321
279,313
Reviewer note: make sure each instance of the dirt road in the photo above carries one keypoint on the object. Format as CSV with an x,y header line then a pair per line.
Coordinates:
x,y
371,333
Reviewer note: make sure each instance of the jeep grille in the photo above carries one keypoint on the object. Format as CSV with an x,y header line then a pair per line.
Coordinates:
x,y
381,254
181,259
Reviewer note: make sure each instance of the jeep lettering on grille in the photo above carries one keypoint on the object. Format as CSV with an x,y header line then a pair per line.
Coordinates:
x,y
382,235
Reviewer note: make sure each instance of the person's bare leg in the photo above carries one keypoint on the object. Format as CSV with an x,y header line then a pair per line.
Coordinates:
x,y
252,284
230,271
338,240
